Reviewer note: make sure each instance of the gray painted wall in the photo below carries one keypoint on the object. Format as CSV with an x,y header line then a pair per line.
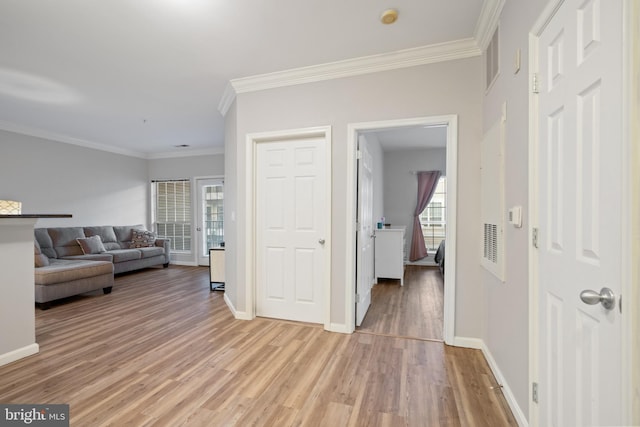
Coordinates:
x,y
230,203
453,87
187,167
401,183
508,302
96,187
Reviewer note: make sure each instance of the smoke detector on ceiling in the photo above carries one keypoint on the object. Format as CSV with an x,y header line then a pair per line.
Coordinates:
x,y
389,16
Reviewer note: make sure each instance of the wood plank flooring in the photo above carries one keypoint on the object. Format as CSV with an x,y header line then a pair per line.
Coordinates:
x,y
414,310
162,350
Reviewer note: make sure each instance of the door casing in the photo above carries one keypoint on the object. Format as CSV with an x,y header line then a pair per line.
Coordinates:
x,y
451,121
199,183
252,140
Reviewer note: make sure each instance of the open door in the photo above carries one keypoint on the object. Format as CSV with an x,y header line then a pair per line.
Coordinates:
x,y
365,236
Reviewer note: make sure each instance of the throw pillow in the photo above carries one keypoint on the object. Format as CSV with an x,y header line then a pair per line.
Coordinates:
x,y
41,260
91,245
142,239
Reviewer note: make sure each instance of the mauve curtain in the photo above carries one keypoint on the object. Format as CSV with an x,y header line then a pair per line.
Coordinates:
x,y
427,182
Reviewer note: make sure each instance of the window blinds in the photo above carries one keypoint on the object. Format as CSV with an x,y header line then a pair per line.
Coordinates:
x,y
173,212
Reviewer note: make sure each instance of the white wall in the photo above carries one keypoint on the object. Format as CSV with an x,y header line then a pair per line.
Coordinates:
x,y
17,294
401,185
96,187
507,303
230,205
453,87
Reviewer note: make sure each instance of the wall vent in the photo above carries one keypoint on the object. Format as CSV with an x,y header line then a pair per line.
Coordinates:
x,y
493,58
491,243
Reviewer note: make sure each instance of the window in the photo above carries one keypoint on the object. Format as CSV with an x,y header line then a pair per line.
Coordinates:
x,y
433,218
213,216
172,213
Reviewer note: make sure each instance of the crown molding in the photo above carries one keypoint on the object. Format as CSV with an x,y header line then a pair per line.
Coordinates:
x,y
228,96
458,49
487,22
65,139
186,153
39,133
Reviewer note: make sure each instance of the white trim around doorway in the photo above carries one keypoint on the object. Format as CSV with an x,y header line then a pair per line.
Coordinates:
x,y
451,121
252,139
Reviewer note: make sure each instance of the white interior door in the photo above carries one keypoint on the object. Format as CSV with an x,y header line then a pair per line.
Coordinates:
x,y
291,220
579,203
210,225
365,256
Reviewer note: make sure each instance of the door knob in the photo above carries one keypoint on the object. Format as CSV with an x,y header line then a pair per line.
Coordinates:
x,y
321,241
606,297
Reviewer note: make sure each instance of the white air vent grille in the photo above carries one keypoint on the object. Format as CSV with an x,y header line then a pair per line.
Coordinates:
x,y
493,58
491,243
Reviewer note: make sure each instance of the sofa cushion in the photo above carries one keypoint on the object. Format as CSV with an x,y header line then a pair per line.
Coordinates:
x,y
151,252
62,270
124,234
64,240
45,242
41,260
107,235
91,245
142,239
121,255
104,256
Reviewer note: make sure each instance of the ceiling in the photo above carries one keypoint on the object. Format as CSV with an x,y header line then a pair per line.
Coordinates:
x,y
141,77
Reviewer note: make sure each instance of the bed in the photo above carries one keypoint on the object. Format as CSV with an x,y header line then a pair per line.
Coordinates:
x,y
439,257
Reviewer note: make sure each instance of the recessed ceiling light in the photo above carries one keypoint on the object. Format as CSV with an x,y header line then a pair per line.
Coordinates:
x,y
389,16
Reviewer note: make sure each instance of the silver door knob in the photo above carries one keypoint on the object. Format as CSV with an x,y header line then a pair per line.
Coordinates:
x,y
321,241
606,297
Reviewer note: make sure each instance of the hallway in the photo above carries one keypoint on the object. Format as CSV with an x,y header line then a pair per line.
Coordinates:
x,y
414,310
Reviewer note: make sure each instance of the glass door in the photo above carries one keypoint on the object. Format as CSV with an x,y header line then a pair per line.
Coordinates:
x,y
210,227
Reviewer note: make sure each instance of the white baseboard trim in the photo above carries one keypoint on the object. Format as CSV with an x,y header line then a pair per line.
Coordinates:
x,y
18,354
187,263
479,344
240,315
339,328
465,342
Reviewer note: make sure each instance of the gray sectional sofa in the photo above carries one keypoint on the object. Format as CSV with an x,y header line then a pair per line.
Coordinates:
x,y
72,260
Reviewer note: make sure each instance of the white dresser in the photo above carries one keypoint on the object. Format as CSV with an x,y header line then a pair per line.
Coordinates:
x,y
389,257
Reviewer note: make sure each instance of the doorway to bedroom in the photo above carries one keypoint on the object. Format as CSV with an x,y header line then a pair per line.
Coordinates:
x,y
406,290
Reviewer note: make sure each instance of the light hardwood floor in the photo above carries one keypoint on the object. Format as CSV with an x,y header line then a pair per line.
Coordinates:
x,y
163,350
414,310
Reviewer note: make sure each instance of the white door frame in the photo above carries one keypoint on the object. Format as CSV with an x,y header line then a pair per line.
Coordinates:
x,y
451,121
252,139
626,217
197,181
